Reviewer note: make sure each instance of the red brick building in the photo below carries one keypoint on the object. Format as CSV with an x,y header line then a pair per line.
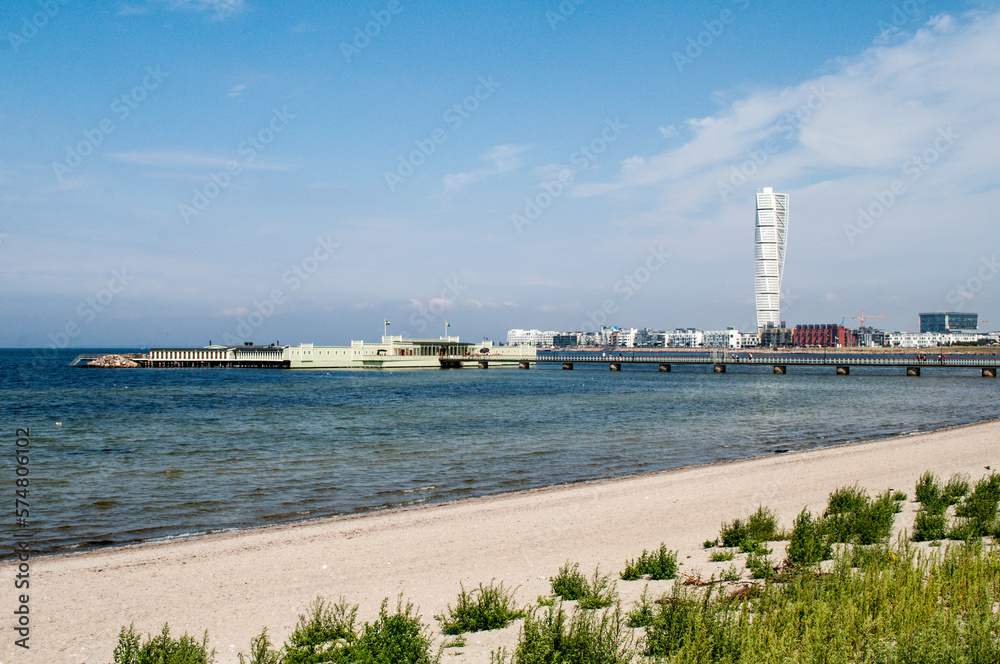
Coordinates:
x,y
824,336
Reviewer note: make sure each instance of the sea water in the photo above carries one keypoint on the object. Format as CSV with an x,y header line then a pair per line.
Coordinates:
x,y
126,455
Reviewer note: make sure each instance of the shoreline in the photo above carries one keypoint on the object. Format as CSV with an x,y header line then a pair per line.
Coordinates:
x,y
234,583
365,512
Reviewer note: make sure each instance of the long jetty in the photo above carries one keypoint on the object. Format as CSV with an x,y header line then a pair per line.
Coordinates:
x,y
720,361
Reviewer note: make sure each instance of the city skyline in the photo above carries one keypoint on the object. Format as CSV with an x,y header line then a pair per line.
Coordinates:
x,y
166,179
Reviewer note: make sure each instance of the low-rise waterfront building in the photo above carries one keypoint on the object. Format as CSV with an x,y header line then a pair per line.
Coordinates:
x,y
728,338
823,336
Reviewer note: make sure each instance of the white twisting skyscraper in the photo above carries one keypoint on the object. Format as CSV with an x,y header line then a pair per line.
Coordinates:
x,y
769,253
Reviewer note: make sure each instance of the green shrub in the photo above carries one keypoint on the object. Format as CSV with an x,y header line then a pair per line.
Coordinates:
x,y
852,517
897,607
956,489
929,525
571,584
485,608
550,636
325,634
261,651
731,574
658,565
721,556
690,627
754,547
397,638
807,545
928,490
733,533
761,567
161,649
708,544
642,613
762,525
977,514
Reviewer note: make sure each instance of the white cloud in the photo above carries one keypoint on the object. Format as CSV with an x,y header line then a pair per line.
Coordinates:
x,y
503,158
237,90
856,125
166,159
220,9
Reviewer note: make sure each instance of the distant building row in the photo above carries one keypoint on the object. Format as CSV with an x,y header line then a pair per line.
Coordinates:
x,y
801,336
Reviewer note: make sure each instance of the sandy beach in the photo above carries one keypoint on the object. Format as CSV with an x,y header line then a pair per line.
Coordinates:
x,y
234,584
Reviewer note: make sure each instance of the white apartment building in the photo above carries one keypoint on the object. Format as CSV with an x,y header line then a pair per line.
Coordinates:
x,y
728,338
685,338
931,339
530,337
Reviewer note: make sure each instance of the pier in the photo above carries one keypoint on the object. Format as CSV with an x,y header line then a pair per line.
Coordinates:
x,y
841,362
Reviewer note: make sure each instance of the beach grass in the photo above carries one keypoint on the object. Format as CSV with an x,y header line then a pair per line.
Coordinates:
x,y
877,604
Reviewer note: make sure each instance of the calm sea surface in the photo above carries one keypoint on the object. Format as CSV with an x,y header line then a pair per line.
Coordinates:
x,y
120,456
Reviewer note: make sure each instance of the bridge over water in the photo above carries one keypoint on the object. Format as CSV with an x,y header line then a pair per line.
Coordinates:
x,y
842,362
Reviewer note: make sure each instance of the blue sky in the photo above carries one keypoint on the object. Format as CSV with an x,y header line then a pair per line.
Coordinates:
x,y
179,171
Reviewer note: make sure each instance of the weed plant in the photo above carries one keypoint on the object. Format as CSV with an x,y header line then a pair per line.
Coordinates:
x,y
262,651
807,546
721,556
484,608
732,574
327,635
395,638
976,516
658,565
570,584
641,614
975,512
161,649
587,637
760,566
759,527
852,517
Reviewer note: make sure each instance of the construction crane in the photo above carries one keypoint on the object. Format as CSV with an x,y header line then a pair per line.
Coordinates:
x,y
863,316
